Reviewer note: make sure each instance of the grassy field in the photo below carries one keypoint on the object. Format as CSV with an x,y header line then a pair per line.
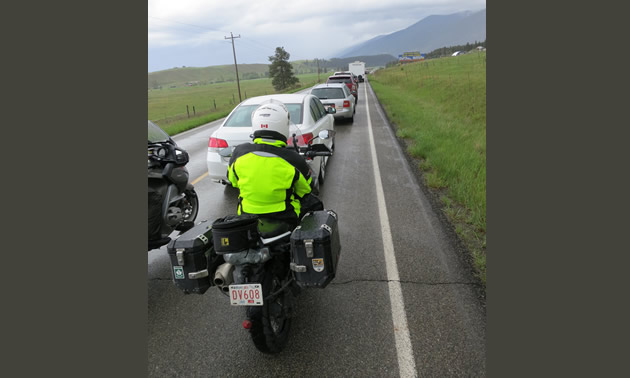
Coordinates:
x,y
179,76
167,106
439,109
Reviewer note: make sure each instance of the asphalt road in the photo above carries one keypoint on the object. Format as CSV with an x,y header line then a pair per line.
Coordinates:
x,y
403,302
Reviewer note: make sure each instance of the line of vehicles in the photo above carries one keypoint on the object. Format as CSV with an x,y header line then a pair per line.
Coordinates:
x,y
310,114
258,263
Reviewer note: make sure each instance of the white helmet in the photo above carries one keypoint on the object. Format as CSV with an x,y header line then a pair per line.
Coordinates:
x,y
271,119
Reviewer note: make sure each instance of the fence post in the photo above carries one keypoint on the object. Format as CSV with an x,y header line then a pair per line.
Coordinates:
x,y
187,111
215,104
194,113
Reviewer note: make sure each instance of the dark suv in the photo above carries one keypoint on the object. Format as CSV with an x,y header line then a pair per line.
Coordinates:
x,y
356,79
348,80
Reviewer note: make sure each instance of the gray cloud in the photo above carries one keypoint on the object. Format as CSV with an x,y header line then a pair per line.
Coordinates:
x,y
192,33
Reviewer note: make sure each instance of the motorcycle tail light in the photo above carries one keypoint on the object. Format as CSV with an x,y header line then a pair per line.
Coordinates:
x,y
247,324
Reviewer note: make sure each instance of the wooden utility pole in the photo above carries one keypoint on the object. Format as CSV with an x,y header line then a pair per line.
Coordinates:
x,y
235,65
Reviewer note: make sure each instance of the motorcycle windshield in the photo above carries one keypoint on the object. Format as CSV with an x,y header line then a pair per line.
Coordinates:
x,y
156,134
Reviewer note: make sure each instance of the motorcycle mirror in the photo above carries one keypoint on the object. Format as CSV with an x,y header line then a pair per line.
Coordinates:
x,y
295,142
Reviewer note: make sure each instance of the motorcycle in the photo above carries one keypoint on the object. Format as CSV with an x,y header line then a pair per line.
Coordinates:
x,y
262,278
173,202
262,264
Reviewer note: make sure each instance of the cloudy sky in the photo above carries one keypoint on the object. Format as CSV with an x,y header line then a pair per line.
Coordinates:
x,y
192,33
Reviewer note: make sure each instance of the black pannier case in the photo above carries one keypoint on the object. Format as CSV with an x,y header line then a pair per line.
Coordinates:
x,y
235,233
193,259
315,249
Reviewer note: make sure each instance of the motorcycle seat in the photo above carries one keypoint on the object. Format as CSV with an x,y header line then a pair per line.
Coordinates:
x,y
269,228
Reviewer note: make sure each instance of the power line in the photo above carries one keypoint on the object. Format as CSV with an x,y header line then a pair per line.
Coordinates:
x,y
258,43
273,49
266,50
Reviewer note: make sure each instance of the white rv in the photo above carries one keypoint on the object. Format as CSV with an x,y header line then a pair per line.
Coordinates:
x,y
357,68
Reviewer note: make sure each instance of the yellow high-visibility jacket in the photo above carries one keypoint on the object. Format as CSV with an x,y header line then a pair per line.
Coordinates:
x,y
271,178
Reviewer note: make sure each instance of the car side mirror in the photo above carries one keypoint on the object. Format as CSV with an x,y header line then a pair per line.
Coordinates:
x,y
326,134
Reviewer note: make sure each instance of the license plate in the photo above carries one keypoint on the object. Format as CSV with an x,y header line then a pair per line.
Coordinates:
x,y
246,295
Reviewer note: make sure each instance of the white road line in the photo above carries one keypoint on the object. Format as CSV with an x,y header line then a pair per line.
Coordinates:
x,y
404,350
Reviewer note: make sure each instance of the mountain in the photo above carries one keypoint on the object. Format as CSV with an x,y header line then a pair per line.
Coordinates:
x,y
426,35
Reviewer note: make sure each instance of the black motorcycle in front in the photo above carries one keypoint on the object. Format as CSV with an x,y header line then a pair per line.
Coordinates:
x,y
173,202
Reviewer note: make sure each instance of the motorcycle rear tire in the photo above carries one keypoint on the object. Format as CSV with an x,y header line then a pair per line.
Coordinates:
x,y
270,323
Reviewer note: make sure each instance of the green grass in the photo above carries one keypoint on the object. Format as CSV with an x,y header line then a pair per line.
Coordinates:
x,y
179,76
167,106
439,108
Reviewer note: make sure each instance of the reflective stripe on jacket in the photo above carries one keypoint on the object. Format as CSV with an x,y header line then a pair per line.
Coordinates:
x,y
270,177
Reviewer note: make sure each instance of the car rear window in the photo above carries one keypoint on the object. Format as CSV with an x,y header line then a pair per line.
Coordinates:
x,y
339,80
242,116
325,93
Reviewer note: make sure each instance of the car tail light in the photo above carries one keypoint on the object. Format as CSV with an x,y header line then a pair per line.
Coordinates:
x,y
215,144
301,139
346,104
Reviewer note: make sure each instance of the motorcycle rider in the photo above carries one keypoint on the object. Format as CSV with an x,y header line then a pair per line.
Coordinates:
x,y
272,179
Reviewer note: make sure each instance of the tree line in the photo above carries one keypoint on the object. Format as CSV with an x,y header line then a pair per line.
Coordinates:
x,y
448,51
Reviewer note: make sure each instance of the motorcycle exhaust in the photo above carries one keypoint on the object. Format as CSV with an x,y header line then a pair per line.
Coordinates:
x,y
223,276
